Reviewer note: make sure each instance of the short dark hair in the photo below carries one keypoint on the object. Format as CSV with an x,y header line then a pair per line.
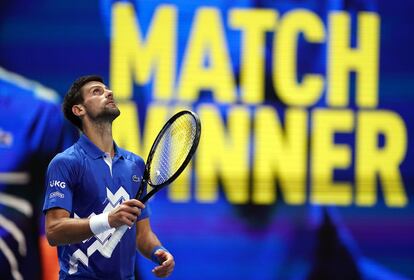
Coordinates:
x,y
74,97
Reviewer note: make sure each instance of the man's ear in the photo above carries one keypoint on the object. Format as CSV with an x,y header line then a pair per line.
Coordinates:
x,y
78,110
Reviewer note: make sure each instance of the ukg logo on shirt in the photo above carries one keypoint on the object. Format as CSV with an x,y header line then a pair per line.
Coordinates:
x,y
57,183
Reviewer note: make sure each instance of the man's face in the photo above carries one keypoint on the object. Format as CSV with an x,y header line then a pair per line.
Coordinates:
x,y
99,102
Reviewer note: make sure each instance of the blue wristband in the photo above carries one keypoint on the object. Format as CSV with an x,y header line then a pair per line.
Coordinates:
x,y
154,258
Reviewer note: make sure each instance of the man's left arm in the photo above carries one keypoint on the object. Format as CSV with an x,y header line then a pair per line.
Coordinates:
x,y
149,246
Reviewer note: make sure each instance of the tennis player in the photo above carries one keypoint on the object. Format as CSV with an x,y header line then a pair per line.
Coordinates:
x,y
88,194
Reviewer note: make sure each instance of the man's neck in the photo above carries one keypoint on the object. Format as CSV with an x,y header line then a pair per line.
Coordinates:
x,y
101,135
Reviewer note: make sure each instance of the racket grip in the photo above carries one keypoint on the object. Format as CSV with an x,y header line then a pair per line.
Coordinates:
x,y
113,241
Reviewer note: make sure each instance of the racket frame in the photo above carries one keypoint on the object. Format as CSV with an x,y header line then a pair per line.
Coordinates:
x,y
145,178
109,247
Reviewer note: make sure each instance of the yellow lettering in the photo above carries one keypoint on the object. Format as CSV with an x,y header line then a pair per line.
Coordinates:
x,y
179,190
254,24
157,115
342,59
373,160
326,155
126,127
134,58
223,153
279,152
285,80
207,64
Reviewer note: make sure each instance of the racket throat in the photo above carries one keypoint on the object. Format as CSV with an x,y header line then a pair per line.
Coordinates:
x,y
143,186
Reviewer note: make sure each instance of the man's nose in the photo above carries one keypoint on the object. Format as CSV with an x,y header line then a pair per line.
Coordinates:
x,y
109,93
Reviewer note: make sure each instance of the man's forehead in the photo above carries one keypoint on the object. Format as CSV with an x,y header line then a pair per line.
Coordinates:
x,y
91,84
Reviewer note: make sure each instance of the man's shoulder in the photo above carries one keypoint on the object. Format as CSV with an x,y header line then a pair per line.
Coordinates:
x,y
70,156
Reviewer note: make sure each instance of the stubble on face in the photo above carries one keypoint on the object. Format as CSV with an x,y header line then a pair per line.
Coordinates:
x,y
108,114
97,112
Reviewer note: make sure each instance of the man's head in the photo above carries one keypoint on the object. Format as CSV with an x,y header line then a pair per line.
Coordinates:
x,y
88,97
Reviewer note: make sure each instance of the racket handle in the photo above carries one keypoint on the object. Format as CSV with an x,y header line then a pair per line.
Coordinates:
x,y
109,247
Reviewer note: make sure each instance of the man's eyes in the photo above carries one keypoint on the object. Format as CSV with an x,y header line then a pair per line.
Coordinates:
x,y
97,91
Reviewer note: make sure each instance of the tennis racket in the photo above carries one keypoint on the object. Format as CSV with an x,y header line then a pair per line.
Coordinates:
x,y
170,153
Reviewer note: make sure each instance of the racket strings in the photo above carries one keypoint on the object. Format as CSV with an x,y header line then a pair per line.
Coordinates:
x,y
173,149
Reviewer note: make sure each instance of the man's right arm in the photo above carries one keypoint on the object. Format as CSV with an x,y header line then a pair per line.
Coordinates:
x,y
61,229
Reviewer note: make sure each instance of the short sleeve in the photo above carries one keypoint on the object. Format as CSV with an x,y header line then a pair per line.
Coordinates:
x,y
59,183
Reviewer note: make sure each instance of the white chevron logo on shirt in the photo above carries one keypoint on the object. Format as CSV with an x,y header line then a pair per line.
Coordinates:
x,y
116,198
113,200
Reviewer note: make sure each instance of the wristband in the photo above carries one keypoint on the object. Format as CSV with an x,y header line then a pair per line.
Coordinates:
x,y
99,223
154,258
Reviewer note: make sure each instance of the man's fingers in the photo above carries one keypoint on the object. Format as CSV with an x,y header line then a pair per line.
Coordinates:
x,y
134,203
167,266
162,271
130,217
126,221
160,253
168,262
133,210
124,214
164,258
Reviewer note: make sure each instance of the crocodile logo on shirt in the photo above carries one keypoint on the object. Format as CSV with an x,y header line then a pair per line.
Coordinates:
x,y
135,178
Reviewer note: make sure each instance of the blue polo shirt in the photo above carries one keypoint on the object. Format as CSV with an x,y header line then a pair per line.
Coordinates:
x,y
80,181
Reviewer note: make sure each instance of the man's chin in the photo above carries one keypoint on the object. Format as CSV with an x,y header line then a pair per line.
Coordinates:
x,y
110,114
115,112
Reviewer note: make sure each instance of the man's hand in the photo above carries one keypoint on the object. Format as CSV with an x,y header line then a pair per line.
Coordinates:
x,y
126,213
167,264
